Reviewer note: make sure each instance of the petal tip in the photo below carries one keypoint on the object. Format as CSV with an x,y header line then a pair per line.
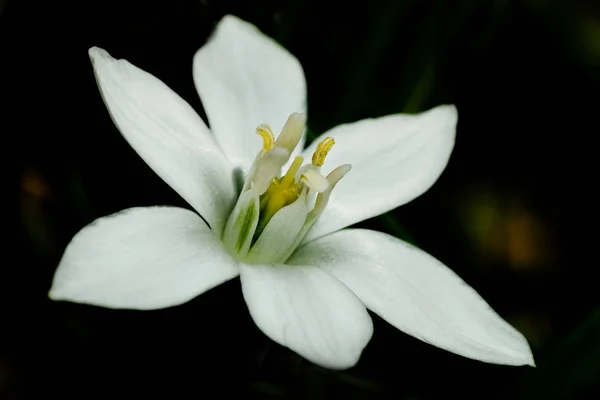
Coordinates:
x,y
525,351
54,294
96,53
452,110
529,360
232,25
449,110
352,357
231,21
340,366
230,18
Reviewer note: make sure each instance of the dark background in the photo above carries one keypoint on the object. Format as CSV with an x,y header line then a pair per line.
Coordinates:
x,y
514,213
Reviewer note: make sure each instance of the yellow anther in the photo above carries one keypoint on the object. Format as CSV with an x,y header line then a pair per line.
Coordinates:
x,y
267,136
320,153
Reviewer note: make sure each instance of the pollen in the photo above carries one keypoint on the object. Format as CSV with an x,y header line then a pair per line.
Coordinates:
x,y
265,132
320,153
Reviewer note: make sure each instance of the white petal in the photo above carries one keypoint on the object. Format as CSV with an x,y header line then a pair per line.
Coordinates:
x,y
142,258
417,294
245,79
394,159
168,134
308,311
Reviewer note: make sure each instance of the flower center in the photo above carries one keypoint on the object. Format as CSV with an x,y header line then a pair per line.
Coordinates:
x,y
274,212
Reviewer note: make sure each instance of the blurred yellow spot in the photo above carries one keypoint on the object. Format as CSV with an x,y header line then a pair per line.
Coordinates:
x,y
504,229
33,184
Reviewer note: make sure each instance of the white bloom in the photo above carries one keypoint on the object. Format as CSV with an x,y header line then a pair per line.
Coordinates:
x,y
313,299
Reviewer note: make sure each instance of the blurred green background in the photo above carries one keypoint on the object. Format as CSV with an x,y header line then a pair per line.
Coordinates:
x,y
513,214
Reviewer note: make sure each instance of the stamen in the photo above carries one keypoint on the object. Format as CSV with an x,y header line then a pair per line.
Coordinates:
x,y
269,167
320,153
323,198
295,200
267,136
315,180
290,175
292,132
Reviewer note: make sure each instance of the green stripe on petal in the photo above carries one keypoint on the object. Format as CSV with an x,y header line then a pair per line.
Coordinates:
x,y
242,223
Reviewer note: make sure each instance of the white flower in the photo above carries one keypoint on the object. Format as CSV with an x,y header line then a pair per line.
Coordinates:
x,y
313,300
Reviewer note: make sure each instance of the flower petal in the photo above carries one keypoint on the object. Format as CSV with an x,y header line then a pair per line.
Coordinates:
x,y
245,79
142,258
308,311
394,159
168,134
417,294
